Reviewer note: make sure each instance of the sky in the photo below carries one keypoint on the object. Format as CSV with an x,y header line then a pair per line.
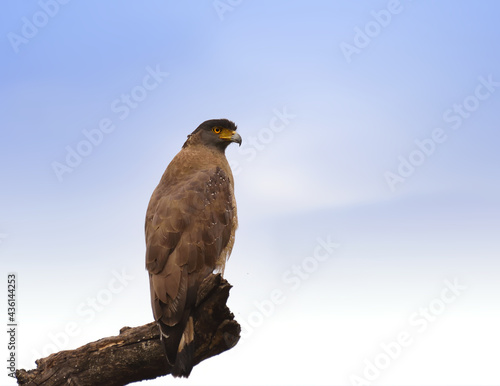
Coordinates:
x,y
367,183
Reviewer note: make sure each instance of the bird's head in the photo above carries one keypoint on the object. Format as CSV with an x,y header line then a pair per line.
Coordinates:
x,y
216,133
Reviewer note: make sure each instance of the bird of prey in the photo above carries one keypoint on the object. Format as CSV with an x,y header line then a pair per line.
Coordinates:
x,y
190,225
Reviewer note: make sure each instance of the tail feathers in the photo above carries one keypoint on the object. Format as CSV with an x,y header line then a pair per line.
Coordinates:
x,y
185,352
178,342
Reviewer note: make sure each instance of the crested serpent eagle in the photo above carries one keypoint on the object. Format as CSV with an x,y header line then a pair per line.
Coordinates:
x,y
190,225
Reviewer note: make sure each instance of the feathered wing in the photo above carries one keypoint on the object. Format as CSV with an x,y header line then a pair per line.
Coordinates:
x,y
189,232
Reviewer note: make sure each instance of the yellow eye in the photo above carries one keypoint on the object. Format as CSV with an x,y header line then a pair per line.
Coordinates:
x,y
216,130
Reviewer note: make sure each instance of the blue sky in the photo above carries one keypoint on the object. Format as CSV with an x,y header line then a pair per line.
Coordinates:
x,y
368,126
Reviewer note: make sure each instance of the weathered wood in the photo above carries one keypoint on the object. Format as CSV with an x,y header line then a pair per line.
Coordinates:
x,y
137,354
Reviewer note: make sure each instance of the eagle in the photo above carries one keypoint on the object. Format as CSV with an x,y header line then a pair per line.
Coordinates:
x,y
190,228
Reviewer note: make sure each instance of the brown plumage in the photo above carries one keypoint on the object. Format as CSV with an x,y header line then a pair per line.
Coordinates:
x,y
190,225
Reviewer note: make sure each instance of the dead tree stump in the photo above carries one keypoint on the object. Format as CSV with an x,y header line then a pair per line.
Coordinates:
x,y
137,354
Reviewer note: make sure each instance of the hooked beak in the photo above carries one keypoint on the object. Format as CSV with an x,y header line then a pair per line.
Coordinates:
x,y
236,138
231,136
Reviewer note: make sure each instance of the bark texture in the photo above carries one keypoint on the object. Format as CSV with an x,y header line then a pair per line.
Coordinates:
x,y
136,353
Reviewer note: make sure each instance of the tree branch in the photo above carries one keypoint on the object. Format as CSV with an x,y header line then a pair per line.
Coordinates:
x,y
137,354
